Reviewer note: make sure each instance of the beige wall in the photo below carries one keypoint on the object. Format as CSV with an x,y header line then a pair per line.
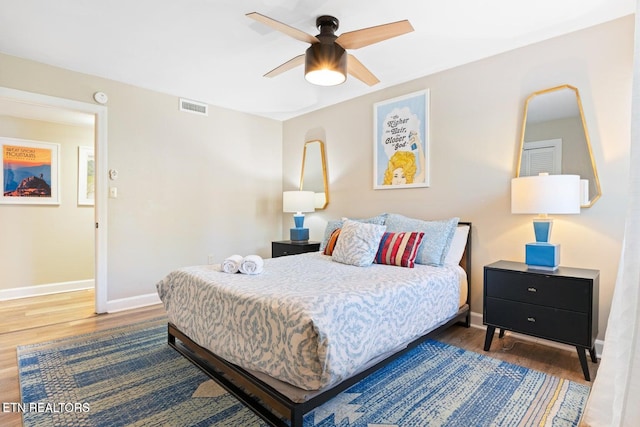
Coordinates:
x,y
47,244
476,114
188,185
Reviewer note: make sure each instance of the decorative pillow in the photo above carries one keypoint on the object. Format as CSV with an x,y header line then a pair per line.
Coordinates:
x,y
331,244
437,236
458,243
399,249
358,243
334,224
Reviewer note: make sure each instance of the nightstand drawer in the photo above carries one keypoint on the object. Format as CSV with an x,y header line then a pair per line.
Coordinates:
x,y
287,247
559,292
565,326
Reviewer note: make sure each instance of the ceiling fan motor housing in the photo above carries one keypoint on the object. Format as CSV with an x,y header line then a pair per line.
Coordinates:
x,y
327,24
326,57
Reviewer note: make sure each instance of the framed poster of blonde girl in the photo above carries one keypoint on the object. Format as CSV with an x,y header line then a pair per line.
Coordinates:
x,y
401,142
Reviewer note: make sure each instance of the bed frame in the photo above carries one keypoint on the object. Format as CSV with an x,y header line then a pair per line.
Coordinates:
x,y
271,405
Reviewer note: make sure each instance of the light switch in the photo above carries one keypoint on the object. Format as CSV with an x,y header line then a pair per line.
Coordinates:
x,y
113,192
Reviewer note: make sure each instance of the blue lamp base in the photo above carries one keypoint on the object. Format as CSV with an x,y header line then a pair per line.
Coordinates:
x,y
299,234
542,256
542,229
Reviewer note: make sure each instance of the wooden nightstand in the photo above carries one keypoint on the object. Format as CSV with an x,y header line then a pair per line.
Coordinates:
x,y
288,247
561,306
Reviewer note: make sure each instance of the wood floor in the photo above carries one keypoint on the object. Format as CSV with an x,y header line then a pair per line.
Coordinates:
x,y
38,319
29,313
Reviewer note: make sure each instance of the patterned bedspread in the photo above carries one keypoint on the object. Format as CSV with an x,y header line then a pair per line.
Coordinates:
x,y
307,320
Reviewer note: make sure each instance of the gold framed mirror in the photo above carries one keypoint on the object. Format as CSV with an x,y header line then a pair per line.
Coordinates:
x,y
555,139
314,172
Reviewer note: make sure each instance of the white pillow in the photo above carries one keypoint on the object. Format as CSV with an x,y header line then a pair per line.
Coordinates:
x,y
358,243
458,243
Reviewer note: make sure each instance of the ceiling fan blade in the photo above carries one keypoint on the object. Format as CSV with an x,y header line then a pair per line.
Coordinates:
x,y
360,72
292,63
367,36
283,28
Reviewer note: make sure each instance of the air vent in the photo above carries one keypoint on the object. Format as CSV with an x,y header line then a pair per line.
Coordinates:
x,y
193,107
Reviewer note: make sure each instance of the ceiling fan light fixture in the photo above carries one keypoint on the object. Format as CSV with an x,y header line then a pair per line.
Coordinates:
x,y
325,64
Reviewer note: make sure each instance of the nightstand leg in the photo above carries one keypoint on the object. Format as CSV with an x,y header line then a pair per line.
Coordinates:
x,y
501,334
489,337
592,352
583,362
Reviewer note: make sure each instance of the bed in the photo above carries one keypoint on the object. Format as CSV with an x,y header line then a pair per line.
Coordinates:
x,y
289,339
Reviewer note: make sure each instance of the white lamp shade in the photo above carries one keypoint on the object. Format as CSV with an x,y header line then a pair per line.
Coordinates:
x,y
298,201
546,194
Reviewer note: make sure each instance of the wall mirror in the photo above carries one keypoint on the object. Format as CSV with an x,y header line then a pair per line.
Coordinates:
x,y
555,139
314,172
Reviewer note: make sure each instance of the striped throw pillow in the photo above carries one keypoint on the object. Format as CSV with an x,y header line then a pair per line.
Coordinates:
x,y
399,249
331,243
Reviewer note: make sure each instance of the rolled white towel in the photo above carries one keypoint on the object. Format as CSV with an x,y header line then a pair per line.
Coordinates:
x,y
232,264
252,264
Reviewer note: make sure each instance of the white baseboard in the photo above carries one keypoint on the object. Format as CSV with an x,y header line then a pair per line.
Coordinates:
x,y
48,289
132,302
476,322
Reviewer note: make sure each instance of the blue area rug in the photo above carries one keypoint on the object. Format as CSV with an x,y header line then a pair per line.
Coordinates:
x,y
130,376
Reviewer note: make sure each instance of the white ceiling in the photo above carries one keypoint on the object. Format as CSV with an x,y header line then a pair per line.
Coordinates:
x,y
209,51
45,113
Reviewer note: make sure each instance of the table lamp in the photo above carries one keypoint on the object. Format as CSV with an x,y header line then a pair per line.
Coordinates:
x,y
298,202
544,194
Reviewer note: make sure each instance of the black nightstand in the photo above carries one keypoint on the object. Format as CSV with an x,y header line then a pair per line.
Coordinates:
x,y
288,247
561,306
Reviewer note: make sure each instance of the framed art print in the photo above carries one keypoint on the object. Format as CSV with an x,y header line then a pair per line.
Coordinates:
x,y
401,142
30,172
86,176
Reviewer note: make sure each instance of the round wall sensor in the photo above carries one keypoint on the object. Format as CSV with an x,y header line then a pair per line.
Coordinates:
x,y
100,97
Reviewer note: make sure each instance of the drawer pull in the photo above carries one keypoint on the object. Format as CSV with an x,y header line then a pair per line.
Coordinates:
x,y
532,289
531,319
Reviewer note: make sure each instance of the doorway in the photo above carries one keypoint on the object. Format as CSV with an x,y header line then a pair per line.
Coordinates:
x,y
56,105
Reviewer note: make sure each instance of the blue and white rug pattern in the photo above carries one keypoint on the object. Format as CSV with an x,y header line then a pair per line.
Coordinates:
x,y
130,376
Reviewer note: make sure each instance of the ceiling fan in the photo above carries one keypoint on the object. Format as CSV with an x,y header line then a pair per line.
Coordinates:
x,y
326,61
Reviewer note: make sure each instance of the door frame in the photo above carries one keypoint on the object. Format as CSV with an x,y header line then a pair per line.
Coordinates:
x,y
101,193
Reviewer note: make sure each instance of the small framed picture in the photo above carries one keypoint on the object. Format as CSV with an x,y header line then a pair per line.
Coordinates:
x,y
401,142
86,176
30,172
